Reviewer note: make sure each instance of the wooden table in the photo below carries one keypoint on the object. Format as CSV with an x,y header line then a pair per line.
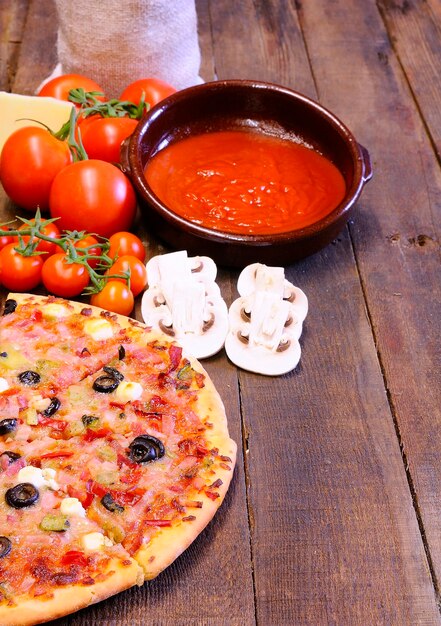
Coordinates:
x,y
334,513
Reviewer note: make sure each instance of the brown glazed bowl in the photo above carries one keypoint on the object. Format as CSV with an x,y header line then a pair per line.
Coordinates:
x,y
238,104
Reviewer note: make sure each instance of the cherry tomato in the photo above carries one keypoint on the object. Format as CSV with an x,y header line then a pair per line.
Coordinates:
x,y
94,196
60,86
138,272
5,239
50,230
154,91
115,297
123,243
90,242
19,273
62,278
30,160
102,137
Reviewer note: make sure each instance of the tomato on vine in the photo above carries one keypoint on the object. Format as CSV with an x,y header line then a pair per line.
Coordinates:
x,y
94,196
50,229
30,160
137,269
102,137
5,239
19,272
123,243
60,86
88,244
116,297
153,89
63,278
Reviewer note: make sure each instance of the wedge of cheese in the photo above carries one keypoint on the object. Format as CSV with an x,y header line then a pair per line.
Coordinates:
x,y
17,110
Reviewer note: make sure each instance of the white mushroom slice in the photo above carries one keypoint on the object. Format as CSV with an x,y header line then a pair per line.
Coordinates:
x,y
260,360
184,302
160,267
188,307
268,318
259,277
266,322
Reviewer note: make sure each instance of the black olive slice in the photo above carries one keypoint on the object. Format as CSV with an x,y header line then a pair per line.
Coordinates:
x,y
52,408
113,372
105,384
109,503
29,378
10,306
3,354
145,449
7,425
12,456
121,353
5,546
22,495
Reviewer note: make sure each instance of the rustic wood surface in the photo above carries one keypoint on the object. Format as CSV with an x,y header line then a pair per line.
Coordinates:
x,y
334,513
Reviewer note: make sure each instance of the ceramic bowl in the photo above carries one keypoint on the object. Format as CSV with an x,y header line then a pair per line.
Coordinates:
x,y
234,104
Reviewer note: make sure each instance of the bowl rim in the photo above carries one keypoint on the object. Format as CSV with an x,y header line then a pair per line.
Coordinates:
x,y
358,154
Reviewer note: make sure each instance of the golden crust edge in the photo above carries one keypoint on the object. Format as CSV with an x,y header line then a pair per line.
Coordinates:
x,y
69,599
171,542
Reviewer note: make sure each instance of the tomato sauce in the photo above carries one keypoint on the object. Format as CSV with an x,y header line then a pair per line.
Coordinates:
x,y
245,182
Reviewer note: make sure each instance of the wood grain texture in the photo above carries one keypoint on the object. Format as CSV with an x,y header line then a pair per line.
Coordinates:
x,y
333,516
201,586
416,24
327,548
396,234
260,40
12,18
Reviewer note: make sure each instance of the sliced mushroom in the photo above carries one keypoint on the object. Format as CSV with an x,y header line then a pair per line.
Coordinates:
x,y
184,302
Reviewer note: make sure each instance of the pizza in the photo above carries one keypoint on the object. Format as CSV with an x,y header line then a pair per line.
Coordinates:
x,y
114,455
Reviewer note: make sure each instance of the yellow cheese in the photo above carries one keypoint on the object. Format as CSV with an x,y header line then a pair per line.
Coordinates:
x,y
13,107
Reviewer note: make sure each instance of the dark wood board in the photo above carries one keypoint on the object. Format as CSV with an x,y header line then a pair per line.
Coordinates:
x,y
331,412
396,240
12,18
333,516
415,24
201,586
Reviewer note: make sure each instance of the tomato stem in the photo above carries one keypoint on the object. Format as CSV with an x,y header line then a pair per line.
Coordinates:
x,y
80,256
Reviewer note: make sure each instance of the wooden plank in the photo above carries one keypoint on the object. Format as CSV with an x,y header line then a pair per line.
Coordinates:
x,y
260,40
12,19
335,536
38,54
396,232
416,25
201,586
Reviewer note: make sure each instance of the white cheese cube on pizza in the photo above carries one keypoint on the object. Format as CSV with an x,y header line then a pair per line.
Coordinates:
x,y
3,384
95,541
53,309
38,477
128,391
98,329
72,506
